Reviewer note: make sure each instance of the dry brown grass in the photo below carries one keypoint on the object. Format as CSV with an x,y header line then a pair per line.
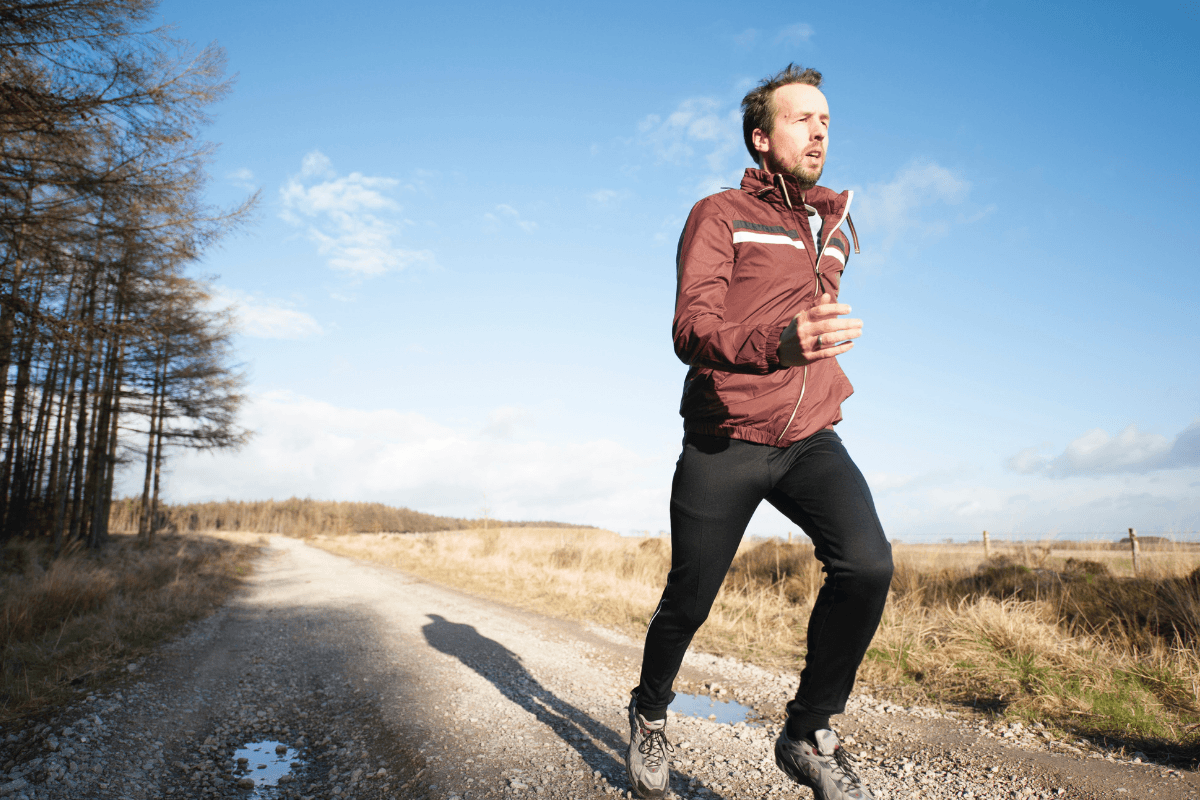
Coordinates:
x,y
953,632
584,574
588,575
66,622
1156,560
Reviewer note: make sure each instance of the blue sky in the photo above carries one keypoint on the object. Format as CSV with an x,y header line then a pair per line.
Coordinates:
x,y
458,291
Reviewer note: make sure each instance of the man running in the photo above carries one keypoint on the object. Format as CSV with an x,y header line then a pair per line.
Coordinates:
x,y
758,324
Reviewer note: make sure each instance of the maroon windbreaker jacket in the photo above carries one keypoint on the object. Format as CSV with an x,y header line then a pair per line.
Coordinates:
x,y
747,264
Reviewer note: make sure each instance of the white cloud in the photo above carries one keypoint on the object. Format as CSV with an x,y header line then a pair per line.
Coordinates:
x,y
1097,452
506,214
796,34
1130,451
603,196
909,209
746,38
504,422
316,165
305,447
669,230
986,211
701,130
243,178
1028,462
932,506
352,219
266,318
882,481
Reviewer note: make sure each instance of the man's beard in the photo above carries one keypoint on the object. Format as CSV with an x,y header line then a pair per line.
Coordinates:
x,y
807,178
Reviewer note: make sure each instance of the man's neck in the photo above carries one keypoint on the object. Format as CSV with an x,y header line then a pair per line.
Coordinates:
x,y
772,173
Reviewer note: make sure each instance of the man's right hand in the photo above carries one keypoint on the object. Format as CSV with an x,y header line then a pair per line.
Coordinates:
x,y
799,345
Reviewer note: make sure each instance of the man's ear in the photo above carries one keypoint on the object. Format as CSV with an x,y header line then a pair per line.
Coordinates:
x,y
762,142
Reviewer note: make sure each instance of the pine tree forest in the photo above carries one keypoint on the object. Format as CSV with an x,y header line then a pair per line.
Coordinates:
x,y
111,354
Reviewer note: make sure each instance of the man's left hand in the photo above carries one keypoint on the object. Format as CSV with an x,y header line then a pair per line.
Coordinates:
x,y
818,333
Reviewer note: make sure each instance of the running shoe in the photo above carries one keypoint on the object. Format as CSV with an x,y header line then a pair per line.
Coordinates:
x,y
821,765
646,760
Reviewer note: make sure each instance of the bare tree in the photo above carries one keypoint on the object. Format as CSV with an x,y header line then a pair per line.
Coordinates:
x,y
102,172
194,388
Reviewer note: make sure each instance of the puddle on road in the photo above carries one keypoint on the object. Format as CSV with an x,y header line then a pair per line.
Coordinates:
x,y
266,762
708,707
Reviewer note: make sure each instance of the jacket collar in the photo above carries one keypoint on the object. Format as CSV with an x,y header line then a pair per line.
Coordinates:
x,y
782,187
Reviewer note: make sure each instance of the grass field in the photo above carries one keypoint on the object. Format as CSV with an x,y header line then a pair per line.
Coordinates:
x,y
1059,633
68,623
1063,633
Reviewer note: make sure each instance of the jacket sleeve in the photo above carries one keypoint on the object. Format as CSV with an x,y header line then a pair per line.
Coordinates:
x,y
703,336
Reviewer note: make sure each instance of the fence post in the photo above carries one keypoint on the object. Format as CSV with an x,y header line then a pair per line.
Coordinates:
x,y
1134,549
987,546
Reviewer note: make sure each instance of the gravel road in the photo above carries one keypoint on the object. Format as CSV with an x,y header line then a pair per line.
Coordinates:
x,y
348,680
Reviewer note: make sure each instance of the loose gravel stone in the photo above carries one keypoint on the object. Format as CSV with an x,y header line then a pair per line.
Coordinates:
x,y
387,687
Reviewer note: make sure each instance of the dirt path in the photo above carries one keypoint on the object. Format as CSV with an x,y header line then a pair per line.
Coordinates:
x,y
375,684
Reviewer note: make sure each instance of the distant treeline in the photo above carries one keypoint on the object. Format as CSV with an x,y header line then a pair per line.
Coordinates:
x,y
297,517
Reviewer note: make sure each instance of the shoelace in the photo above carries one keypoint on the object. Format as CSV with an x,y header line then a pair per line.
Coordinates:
x,y
654,746
842,763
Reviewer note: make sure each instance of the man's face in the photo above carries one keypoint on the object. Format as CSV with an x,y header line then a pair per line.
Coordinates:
x,y
800,140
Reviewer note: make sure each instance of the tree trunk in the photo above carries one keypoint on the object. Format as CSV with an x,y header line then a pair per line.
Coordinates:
x,y
158,452
8,311
104,453
63,423
81,427
104,507
160,365
60,477
41,431
12,475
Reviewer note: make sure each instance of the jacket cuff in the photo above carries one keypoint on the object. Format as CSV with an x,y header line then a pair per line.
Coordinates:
x,y
772,348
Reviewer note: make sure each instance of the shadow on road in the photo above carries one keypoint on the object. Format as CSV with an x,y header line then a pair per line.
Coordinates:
x,y
504,669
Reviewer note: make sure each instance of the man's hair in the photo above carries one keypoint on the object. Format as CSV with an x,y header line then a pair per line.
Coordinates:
x,y
758,106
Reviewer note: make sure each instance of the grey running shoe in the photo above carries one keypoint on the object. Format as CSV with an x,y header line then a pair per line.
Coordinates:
x,y
646,761
822,766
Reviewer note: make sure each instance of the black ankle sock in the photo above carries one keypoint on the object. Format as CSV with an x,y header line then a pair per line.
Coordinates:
x,y
804,725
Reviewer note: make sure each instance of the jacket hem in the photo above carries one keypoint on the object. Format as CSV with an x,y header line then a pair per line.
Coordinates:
x,y
752,435
728,431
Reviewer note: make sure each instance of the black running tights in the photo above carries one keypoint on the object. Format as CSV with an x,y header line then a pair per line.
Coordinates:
x,y
718,484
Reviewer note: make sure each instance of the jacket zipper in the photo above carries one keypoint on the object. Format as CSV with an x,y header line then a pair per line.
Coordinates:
x,y
816,296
